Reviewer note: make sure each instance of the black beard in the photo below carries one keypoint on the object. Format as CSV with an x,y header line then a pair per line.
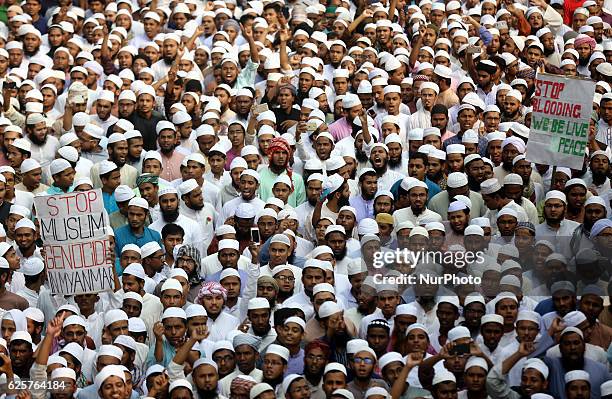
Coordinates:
x,y
207,394
394,163
169,60
361,156
380,170
166,150
30,53
170,216
473,184
554,221
598,177
341,255
313,377
34,139
343,201
313,201
274,381
196,207
583,61
436,177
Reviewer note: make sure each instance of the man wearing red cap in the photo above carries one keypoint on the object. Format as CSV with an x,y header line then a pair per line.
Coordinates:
x,y
279,153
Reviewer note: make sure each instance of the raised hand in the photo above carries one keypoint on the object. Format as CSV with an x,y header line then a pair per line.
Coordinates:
x,y
158,330
526,348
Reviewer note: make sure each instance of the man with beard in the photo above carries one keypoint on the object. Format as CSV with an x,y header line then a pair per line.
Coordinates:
x,y
204,374
335,238
117,151
534,377
232,190
594,210
135,232
475,170
212,296
104,104
572,347
511,111
145,119
285,278
387,300
416,191
148,186
363,365
225,358
379,157
171,159
335,195
169,213
249,184
511,148
245,346
316,355
366,302
344,126
495,200
314,187
258,315
556,228
170,48
436,169
244,101
275,366
313,273
457,184
364,201
585,46
513,190
194,207
43,146
599,166
279,152
475,377
31,39
428,94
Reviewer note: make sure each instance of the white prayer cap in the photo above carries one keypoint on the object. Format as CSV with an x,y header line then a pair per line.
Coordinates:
x,y
555,194
528,315
274,349
258,303
174,312
29,164
229,244
297,320
123,193
538,365
172,284
132,295
109,371
329,308
606,389
113,316
492,318
458,332
259,389
139,202
455,149
323,287
34,314
456,180
443,375
377,391
475,361
136,270
25,223
336,366
390,357
63,372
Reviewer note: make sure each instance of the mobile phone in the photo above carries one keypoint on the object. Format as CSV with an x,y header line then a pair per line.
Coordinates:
x,y
460,349
472,50
261,108
501,25
10,85
255,235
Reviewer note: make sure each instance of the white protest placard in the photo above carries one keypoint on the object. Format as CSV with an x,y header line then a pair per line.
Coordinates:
x,y
562,108
75,242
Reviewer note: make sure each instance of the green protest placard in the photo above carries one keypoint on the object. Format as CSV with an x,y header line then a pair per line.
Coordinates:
x,y
560,120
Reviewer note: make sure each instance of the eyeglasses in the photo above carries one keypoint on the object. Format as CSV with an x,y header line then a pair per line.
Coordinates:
x,y
315,358
366,360
286,278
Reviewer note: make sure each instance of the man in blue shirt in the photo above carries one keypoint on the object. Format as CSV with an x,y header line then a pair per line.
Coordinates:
x,y
135,231
110,176
62,174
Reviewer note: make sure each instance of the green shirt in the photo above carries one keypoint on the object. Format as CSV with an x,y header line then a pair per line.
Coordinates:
x,y
266,181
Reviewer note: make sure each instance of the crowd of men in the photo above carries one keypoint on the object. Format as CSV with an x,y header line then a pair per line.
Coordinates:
x,y
257,160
